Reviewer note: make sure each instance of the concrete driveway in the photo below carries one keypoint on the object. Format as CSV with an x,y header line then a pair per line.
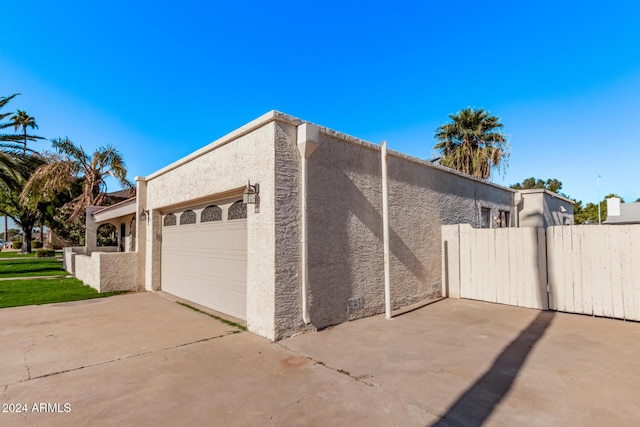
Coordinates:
x,y
140,359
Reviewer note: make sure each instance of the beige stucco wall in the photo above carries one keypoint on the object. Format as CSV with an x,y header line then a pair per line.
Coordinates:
x,y
69,257
246,154
84,270
287,228
117,271
345,226
107,272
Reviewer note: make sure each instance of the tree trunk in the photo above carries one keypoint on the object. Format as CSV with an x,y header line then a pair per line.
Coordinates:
x,y
26,240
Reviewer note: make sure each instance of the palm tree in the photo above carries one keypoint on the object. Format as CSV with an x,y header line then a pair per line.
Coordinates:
x,y
11,204
472,143
7,149
22,119
70,164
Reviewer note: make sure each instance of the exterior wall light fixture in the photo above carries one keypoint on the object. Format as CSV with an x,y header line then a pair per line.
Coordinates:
x,y
251,195
144,213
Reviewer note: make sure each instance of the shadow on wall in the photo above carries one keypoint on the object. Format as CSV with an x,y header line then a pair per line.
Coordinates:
x,y
346,248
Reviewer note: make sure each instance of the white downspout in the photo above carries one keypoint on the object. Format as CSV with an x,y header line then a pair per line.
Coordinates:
x,y
308,141
385,231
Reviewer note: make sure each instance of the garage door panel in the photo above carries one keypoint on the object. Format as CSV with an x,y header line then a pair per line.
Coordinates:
x,y
225,267
207,264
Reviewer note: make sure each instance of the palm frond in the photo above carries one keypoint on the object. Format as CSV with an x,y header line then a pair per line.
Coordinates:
x,y
472,143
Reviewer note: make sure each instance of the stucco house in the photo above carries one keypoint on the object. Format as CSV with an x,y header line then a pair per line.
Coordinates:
x,y
622,213
306,252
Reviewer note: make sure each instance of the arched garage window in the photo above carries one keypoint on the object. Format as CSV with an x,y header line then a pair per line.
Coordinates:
x,y
211,213
238,210
188,217
169,219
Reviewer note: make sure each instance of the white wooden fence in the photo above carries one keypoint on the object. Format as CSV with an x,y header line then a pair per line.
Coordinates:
x,y
579,269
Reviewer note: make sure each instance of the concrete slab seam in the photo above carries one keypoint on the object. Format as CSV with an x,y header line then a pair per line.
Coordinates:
x,y
24,360
408,401
104,362
321,363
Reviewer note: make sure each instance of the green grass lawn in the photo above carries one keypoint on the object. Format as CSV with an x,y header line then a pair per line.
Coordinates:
x,y
14,254
14,293
30,267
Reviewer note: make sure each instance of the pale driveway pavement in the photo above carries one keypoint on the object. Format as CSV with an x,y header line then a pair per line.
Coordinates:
x,y
475,363
140,359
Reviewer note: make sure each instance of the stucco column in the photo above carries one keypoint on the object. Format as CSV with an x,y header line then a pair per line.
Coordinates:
x,y
141,229
90,230
153,250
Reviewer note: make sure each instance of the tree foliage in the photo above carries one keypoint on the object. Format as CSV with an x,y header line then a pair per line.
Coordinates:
x,y
531,183
71,165
11,204
51,188
472,143
589,214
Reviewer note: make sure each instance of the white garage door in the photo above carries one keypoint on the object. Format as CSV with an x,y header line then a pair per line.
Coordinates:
x,y
204,256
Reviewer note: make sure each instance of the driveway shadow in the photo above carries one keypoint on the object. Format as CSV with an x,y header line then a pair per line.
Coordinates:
x,y
475,405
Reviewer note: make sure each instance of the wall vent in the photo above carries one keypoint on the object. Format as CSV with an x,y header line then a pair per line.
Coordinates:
x,y
354,303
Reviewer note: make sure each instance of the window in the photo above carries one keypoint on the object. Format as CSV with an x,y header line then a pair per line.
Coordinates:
x,y
169,219
485,217
504,220
188,217
238,210
211,213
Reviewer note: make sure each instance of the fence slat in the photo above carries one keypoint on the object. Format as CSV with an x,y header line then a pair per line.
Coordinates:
x,y
552,260
615,271
513,268
502,265
593,300
604,275
465,263
542,294
567,282
576,270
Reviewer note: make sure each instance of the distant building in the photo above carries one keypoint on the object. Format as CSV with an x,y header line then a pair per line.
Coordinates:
x,y
622,213
539,207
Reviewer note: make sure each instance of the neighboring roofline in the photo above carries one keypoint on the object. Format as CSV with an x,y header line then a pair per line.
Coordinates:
x,y
551,193
294,121
623,222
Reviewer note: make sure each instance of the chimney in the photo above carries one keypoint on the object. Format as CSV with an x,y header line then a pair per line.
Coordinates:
x,y
613,206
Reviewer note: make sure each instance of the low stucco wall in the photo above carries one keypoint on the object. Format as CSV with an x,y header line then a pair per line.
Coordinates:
x,y
107,272
69,257
84,270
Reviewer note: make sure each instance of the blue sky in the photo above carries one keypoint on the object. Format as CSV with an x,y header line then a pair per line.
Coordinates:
x,y
161,79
